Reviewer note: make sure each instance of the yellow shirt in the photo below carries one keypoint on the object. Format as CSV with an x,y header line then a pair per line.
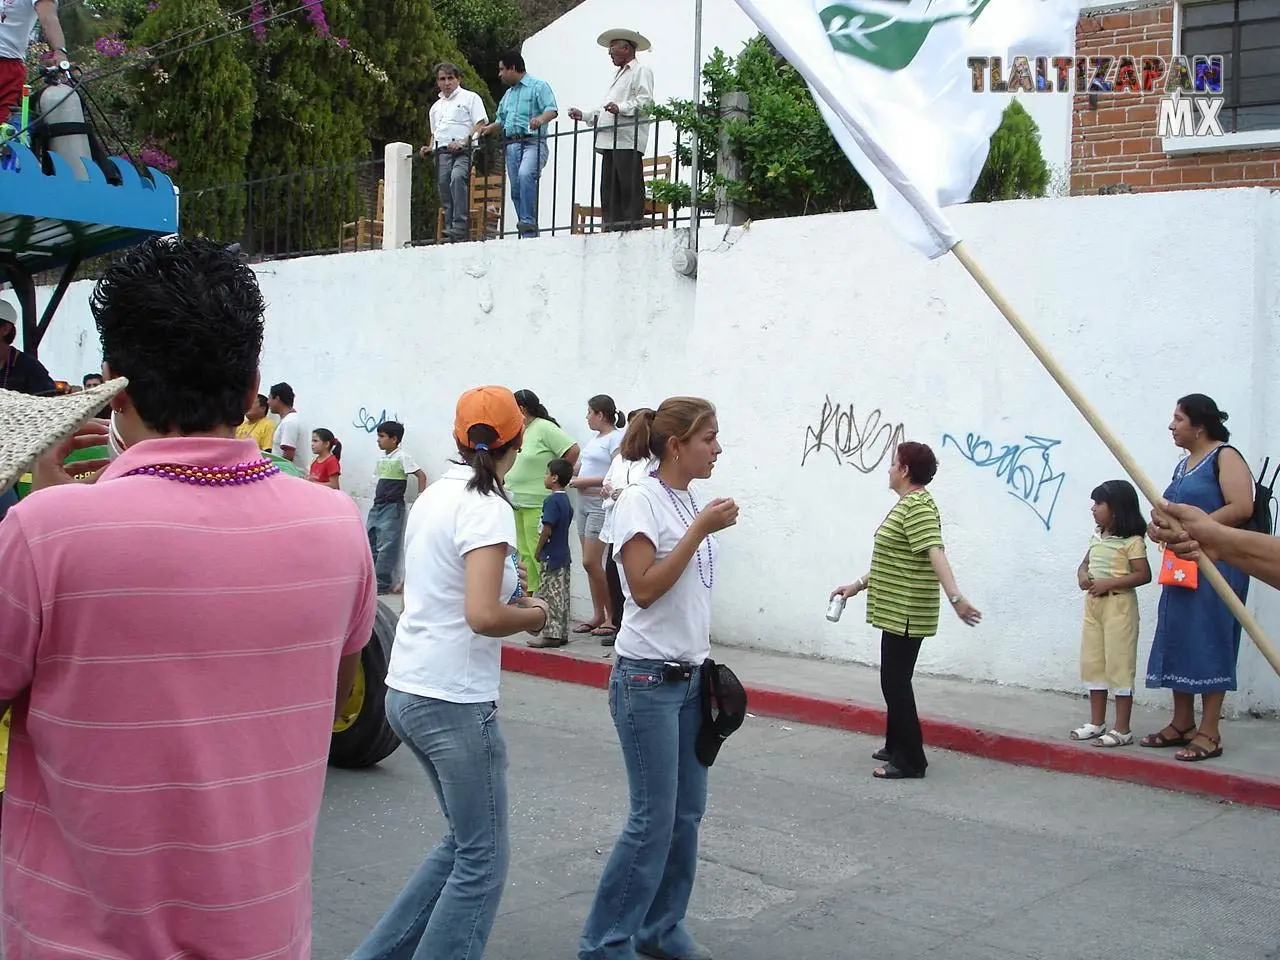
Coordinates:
x,y
1111,557
263,432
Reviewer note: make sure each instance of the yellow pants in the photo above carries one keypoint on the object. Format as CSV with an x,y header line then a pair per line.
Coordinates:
x,y
528,528
1109,642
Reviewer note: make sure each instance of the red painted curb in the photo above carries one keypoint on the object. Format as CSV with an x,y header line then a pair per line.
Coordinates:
x,y
946,734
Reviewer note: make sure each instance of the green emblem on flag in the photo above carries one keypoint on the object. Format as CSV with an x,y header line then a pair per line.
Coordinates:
x,y
891,41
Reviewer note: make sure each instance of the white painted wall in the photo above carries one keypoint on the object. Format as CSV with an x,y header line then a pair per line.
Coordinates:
x,y
1142,298
565,54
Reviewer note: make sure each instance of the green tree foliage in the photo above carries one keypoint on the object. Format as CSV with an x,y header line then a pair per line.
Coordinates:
x,y
1015,167
484,29
197,105
792,165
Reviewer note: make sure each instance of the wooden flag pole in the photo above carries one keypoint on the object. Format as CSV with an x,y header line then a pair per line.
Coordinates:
x,y
1207,568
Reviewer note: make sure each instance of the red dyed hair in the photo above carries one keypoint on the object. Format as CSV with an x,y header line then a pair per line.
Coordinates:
x,y
919,460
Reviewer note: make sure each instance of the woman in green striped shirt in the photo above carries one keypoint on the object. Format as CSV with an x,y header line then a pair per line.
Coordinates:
x,y
908,563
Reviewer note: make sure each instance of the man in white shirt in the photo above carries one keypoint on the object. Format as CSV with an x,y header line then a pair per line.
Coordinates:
x,y
17,20
288,439
455,118
621,133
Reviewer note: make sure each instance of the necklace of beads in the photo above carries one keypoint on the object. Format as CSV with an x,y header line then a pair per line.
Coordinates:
x,y
708,577
210,476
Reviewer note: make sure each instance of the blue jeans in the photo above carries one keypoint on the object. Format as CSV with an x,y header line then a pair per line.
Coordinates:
x,y
386,530
525,161
645,888
446,909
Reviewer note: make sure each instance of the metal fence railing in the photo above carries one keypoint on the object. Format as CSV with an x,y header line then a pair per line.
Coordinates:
x,y
327,210
341,209
570,194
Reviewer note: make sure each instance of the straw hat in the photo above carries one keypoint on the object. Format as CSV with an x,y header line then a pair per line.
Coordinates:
x,y
641,42
30,426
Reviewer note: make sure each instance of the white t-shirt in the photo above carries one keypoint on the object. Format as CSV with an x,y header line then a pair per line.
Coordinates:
x,y
19,19
436,654
676,626
597,454
622,474
289,434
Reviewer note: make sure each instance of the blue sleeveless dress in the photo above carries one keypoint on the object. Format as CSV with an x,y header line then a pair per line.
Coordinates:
x,y
1197,639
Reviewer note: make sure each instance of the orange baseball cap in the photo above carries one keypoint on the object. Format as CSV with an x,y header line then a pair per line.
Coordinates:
x,y
494,407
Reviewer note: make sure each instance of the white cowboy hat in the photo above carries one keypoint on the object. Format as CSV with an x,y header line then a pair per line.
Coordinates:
x,y
641,42
30,426
7,313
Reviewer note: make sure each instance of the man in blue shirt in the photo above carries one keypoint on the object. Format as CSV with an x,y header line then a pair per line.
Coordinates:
x,y
523,114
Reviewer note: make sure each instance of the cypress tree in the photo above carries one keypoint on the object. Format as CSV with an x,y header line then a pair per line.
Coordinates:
x,y
197,106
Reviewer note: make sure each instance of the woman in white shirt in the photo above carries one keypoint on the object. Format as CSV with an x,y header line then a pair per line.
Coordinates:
x,y
668,566
461,594
598,453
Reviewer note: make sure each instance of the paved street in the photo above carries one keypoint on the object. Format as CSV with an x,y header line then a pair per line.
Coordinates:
x,y
804,855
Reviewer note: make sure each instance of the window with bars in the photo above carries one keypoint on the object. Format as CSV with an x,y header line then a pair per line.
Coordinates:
x,y
1247,35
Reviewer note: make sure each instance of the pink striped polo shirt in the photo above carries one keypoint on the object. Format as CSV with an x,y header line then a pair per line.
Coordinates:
x,y
171,652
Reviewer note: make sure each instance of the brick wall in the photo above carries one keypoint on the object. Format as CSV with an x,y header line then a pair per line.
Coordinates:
x,y
1115,145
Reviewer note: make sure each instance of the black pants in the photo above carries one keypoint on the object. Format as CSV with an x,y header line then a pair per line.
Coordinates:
x,y
616,599
903,738
622,189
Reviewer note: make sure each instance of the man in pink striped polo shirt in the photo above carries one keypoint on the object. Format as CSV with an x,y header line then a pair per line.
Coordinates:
x,y
174,638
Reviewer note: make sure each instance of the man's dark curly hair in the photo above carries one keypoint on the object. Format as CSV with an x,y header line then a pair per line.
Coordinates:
x,y
182,319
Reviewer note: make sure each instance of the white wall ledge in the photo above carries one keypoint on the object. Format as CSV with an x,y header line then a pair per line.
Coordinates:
x,y
1250,140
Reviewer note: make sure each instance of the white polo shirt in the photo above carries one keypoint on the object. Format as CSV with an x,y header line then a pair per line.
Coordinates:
x,y
452,118
436,654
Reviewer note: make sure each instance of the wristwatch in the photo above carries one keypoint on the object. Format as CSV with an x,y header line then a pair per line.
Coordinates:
x,y
956,599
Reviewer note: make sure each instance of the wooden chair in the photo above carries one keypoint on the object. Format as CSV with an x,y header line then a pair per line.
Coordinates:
x,y
364,234
654,169
485,198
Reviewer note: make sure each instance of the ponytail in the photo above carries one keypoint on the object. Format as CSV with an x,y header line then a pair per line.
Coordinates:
x,y
636,442
483,459
603,405
325,435
529,402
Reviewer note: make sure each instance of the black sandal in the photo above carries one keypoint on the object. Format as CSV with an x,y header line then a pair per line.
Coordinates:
x,y
882,755
1159,741
890,772
1195,753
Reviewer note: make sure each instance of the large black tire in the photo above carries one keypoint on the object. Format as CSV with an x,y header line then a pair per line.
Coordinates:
x,y
367,739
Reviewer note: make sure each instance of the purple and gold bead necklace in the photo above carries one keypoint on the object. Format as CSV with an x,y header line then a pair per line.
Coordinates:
x,y
707,576
210,476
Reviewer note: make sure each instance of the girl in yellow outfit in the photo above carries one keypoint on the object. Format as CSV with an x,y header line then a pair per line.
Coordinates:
x,y
1114,566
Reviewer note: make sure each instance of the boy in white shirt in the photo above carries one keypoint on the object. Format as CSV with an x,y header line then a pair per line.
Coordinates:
x,y
386,517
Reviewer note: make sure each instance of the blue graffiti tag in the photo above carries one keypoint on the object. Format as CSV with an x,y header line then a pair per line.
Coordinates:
x,y
1035,484
369,423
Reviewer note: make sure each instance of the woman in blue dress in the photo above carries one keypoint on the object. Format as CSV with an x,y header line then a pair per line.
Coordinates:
x,y
1197,637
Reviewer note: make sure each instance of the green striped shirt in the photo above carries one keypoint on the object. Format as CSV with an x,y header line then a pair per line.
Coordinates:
x,y
902,596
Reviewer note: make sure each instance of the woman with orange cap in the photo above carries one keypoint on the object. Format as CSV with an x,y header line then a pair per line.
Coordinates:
x,y
461,596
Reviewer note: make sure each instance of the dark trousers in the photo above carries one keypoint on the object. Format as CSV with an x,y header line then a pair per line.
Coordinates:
x,y
903,738
616,599
622,189
453,181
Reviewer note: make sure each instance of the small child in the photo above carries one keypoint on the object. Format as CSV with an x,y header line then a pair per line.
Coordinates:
x,y
325,468
1115,564
553,554
385,524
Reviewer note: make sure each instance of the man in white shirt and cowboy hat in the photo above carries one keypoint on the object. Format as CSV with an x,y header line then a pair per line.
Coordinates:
x,y
621,134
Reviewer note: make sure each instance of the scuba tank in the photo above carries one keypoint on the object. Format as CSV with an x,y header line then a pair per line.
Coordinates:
x,y
63,126
60,126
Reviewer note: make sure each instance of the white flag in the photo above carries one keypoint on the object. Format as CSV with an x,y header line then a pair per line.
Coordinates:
x,y
892,80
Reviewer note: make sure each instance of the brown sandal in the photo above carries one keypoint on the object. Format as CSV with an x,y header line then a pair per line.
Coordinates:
x,y
1194,753
1160,741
